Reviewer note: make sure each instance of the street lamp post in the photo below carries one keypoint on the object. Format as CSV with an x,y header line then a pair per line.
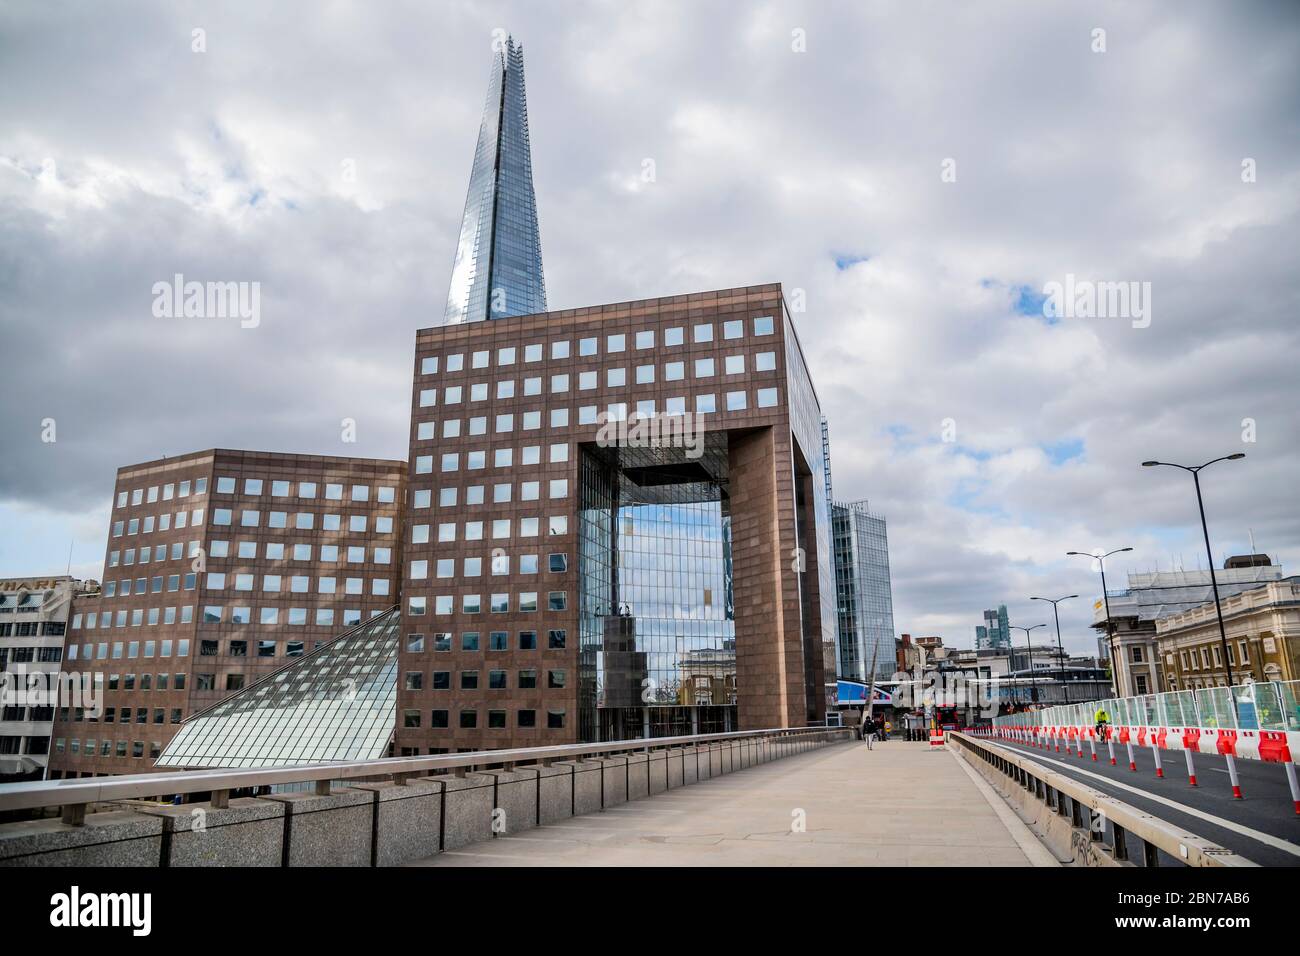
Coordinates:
x,y
1214,581
1110,625
1032,680
1059,649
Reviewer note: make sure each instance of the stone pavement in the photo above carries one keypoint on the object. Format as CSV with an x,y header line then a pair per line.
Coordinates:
x,y
901,804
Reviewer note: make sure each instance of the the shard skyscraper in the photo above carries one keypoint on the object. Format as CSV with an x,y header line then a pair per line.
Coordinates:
x,y
498,268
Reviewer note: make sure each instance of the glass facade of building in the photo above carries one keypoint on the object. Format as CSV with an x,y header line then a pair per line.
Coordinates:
x,y
865,602
335,704
657,617
498,266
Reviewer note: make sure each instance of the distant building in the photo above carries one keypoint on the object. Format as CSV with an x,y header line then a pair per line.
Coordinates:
x,y
1153,595
34,614
995,632
498,267
864,601
1262,624
221,566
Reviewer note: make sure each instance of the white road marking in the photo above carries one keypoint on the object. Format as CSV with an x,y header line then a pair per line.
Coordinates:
x,y
1266,838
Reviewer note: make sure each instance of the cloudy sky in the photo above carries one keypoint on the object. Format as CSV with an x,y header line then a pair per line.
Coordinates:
x,y
811,144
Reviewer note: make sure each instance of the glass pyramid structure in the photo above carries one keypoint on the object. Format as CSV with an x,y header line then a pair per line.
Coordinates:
x,y
338,703
498,267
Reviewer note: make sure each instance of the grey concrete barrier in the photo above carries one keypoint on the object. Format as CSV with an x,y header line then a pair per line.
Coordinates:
x,y
381,821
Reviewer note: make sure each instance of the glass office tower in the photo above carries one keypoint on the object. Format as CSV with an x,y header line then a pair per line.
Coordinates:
x,y
498,267
865,601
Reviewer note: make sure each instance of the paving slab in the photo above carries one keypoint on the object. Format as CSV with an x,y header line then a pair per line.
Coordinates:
x,y
901,804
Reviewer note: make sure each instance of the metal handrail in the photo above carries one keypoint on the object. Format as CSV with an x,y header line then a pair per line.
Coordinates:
x,y
83,791
1126,820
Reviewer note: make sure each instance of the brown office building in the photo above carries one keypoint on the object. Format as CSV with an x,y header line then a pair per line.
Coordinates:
x,y
600,498
221,566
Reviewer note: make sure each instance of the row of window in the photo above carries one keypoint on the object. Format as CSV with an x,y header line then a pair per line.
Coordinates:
x,y
500,528
614,344
556,640
502,492
1199,658
496,719
705,404
297,551
30,655
129,649
163,522
175,551
525,679
589,379
302,520
296,616
127,715
296,583
172,583
526,603
167,492
107,748
324,617
32,629
498,564
384,494
129,682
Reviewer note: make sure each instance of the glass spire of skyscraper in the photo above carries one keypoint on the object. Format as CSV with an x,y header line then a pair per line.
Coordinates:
x,y
498,267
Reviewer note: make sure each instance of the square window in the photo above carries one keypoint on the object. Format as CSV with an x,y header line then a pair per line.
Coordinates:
x,y
763,325
733,329
736,401
645,339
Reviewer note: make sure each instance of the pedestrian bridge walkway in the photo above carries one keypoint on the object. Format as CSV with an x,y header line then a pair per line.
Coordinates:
x,y
901,804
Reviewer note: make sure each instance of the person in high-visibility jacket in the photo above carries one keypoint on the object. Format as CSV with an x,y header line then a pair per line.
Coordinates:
x,y
1103,719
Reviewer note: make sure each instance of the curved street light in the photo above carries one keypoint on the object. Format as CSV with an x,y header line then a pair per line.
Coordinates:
x,y
1032,680
1214,581
1060,650
1110,625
